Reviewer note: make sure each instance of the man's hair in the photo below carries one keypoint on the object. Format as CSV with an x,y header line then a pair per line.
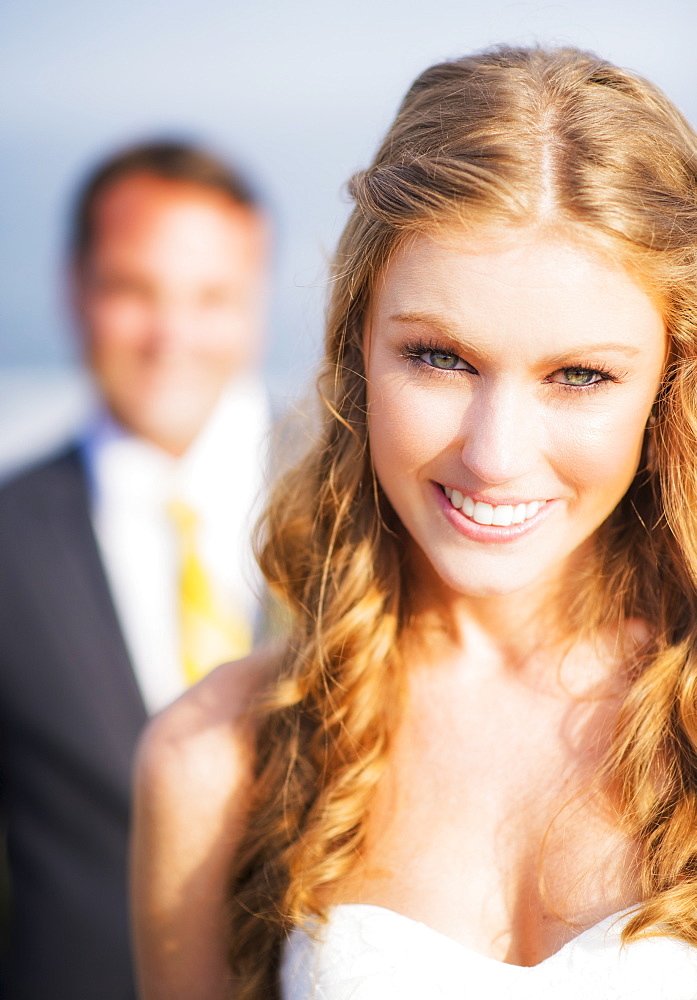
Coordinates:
x,y
167,159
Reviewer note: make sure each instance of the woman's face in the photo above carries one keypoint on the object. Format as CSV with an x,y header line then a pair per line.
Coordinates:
x,y
510,379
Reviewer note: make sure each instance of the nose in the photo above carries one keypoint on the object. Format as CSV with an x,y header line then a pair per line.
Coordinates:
x,y
502,434
172,324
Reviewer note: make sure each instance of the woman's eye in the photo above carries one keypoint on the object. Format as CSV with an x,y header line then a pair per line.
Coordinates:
x,y
577,376
443,360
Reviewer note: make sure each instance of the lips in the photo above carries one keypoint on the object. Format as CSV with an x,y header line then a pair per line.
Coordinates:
x,y
498,515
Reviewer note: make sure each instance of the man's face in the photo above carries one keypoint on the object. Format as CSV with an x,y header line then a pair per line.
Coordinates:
x,y
170,299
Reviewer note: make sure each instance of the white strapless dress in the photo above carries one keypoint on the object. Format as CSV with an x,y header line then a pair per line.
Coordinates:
x,y
368,952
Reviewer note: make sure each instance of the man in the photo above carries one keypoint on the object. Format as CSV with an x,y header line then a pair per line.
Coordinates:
x,y
124,561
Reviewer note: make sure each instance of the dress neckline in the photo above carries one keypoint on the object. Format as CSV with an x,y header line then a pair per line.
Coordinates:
x,y
601,926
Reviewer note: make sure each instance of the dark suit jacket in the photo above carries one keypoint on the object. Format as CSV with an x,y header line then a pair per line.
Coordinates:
x,y
70,715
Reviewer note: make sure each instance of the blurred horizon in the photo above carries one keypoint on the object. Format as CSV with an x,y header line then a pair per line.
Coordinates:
x,y
297,94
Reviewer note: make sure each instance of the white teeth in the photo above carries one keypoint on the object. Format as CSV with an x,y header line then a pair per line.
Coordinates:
x,y
518,513
483,513
501,516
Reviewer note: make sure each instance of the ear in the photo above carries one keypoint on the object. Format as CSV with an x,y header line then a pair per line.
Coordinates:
x,y
74,302
263,231
74,285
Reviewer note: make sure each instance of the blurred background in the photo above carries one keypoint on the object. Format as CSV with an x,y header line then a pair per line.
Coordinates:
x,y
297,93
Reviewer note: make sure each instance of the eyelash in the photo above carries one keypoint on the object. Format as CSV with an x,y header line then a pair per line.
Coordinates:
x,y
412,354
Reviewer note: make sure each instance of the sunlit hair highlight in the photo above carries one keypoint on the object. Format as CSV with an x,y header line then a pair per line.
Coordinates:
x,y
514,137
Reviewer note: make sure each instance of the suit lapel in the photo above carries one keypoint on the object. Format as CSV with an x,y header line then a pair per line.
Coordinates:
x,y
75,584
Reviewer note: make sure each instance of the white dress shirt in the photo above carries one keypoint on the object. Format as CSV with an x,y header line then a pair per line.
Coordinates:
x,y
132,483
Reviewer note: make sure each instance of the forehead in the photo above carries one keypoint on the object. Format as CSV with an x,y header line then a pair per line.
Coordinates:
x,y
523,282
141,209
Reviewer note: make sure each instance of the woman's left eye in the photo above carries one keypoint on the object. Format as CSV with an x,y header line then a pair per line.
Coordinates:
x,y
443,360
578,376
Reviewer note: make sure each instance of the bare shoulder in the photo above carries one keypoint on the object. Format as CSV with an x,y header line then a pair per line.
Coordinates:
x,y
193,780
210,724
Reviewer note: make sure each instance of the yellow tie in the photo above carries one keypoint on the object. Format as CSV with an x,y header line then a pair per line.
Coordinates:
x,y
208,634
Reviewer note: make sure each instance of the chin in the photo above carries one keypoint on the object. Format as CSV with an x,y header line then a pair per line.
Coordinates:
x,y
172,428
489,589
487,581
175,436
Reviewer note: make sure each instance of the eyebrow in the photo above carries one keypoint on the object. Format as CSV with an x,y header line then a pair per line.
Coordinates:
x,y
431,319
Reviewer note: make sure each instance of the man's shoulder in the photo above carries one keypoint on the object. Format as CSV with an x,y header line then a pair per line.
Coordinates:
x,y
63,466
28,494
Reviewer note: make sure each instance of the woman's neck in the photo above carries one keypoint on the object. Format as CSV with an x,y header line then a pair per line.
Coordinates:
x,y
529,633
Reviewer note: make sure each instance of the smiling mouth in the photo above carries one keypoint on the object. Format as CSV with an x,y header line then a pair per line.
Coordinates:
x,y
501,515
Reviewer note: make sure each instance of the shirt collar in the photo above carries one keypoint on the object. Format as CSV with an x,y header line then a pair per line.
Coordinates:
x,y
133,470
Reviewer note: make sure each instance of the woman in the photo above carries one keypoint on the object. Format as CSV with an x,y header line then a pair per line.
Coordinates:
x,y
471,770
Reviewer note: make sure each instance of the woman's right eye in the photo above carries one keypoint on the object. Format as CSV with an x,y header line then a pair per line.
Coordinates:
x,y
444,360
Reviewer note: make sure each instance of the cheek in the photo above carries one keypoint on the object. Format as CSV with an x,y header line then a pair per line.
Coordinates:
x,y
410,427
600,455
116,322
225,335
223,330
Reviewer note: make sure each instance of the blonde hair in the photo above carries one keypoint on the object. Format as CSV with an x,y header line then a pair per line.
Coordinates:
x,y
514,136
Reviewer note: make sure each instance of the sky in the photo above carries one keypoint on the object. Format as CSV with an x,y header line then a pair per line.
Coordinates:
x,y
299,93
